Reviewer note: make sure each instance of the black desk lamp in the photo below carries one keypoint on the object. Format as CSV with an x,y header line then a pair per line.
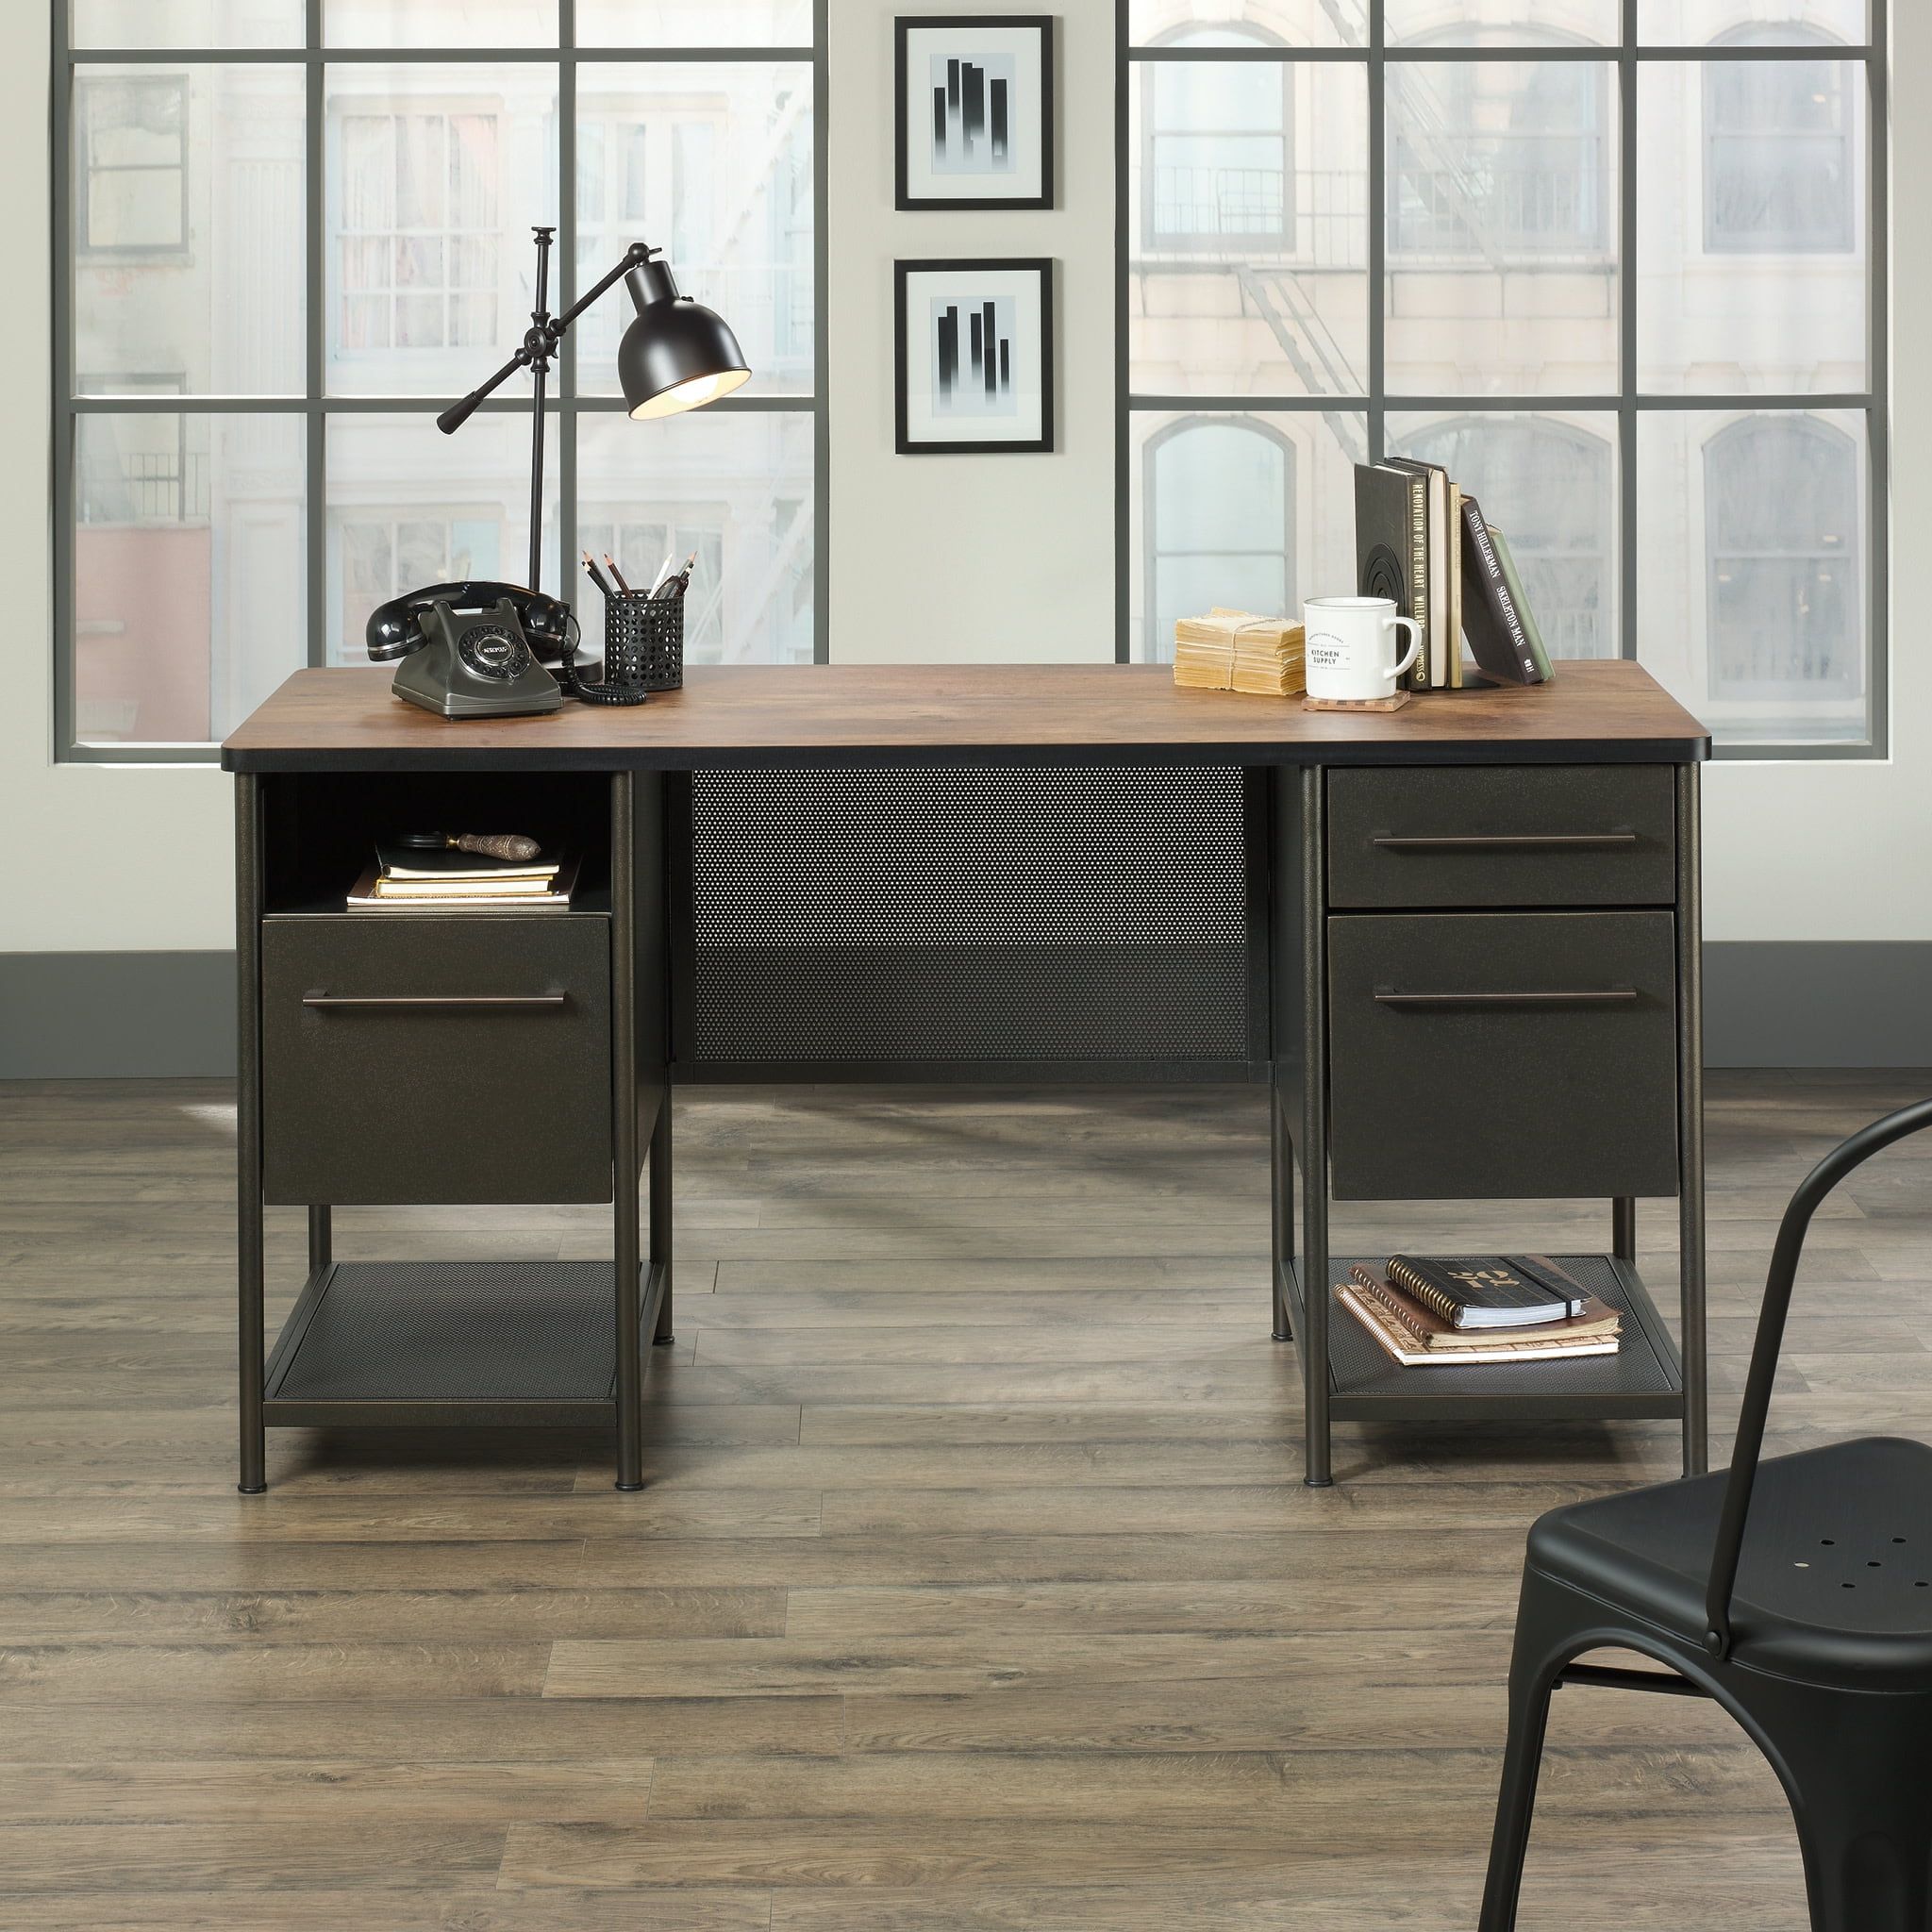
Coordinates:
x,y
676,355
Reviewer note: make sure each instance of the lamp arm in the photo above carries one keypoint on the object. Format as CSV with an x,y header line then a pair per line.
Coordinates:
x,y
547,333
636,256
457,414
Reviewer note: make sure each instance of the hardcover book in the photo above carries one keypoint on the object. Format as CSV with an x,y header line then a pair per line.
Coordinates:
x,y
1444,641
1523,608
1497,638
1391,540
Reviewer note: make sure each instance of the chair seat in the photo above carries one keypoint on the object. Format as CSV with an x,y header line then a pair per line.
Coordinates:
x,y
1835,1586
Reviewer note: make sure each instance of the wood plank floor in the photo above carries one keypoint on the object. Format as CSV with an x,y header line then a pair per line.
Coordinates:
x,y
976,1586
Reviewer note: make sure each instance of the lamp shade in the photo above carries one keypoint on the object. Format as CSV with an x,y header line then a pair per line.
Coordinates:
x,y
676,355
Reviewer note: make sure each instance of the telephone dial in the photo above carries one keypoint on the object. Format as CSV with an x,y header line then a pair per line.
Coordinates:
x,y
478,650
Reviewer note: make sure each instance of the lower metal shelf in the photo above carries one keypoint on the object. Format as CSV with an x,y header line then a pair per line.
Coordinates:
x,y
467,1344
1645,1379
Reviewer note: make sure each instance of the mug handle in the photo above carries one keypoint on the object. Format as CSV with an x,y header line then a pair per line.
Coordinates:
x,y
1415,649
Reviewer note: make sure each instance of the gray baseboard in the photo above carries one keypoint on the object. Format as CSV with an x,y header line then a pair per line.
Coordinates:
x,y
93,1016
156,1015
1846,1003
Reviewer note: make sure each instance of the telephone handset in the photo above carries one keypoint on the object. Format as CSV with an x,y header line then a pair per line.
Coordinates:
x,y
395,629
477,650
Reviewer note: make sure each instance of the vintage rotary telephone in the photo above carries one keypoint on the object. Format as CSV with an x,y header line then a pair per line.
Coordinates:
x,y
478,650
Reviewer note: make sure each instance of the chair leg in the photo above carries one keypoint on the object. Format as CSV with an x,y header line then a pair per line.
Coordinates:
x,y
1857,1769
1543,1646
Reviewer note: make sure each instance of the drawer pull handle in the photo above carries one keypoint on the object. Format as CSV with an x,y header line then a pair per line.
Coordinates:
x,y
429,1002
1495,842
1614,996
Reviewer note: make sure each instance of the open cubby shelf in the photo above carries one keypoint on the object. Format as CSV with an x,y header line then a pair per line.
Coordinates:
x,y
321,827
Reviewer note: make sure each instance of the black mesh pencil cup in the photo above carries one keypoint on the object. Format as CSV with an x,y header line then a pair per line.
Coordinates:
x,y
644,650
643,641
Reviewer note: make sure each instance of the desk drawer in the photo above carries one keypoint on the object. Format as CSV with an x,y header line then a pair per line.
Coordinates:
x,y
423,1059
1503,1054
1518,835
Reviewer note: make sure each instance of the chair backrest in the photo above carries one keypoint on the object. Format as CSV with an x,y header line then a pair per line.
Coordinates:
x,y
1764,1353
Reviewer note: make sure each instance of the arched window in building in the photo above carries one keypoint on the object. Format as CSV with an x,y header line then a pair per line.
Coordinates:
x,y
1506,159
1217,148
1777,150
1219,523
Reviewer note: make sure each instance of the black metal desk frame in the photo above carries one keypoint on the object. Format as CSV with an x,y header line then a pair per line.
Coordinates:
x,y
1285,827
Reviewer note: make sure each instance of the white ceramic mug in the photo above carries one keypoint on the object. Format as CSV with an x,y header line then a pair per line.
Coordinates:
x,y
1348,646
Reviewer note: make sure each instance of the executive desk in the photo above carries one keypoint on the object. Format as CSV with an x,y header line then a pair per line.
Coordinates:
x,y
1459,941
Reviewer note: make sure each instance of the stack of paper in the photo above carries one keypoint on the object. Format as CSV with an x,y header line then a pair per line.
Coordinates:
x,y
1235,650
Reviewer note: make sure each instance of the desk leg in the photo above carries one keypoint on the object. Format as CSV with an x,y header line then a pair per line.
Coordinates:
x,y
321,1240
1280,1208
1690,1246
624,1099
251,1338
1314,1335
661,1215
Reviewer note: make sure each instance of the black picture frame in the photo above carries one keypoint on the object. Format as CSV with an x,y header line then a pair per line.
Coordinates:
x,y
1046,26
903,271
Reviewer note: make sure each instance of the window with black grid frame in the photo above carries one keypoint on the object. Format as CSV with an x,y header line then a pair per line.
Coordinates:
x,y
1618,264
290,231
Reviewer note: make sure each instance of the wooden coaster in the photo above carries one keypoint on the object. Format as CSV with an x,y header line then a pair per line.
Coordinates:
x,y
1389,704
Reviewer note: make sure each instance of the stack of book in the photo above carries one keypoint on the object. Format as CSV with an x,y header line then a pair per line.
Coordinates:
x,y
1469,1309
1426,543
1235,650
406,878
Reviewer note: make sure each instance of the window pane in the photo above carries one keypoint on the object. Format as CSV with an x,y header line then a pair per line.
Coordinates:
x,y
1698,23
439,23
1753,547
1721,302
187,573
187,211
408,506
694,24
206,23
1502,226
714,162
738,490
1247,273
1237,23
1780,156
1549,484
435,177
1251,511
1481,23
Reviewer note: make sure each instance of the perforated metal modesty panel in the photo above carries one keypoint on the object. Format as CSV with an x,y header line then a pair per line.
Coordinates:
x,y
434,1331
956,915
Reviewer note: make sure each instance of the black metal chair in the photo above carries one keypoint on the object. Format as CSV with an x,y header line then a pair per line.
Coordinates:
x,y
1814,1632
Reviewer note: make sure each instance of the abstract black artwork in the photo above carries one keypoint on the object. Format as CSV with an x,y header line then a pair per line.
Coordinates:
x,y
974,356
976,111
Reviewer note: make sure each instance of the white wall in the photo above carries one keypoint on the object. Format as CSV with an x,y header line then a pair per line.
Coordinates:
x,y
954,557
964,558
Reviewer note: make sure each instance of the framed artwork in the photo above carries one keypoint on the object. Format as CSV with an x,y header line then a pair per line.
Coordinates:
x,y
973,358
975,110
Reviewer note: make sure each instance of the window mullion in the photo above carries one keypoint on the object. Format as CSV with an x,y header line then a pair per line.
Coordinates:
x,y
315,425
1378,230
